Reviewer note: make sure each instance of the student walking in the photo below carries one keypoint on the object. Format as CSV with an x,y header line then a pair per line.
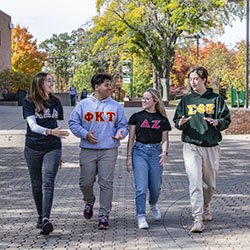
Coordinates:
x,y
149,128
72,94
100,123
84,93
201,115
43,145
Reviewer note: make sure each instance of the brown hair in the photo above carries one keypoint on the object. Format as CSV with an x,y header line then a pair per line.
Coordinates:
x,y
37,93
159,106
201,72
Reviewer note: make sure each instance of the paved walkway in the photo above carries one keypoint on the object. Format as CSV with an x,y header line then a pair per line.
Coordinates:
x,y
230,228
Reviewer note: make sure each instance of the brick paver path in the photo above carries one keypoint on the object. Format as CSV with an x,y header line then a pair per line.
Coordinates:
x,y
230,228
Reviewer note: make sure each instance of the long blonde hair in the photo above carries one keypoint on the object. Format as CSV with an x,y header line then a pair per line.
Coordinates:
x,y
159,106
37,93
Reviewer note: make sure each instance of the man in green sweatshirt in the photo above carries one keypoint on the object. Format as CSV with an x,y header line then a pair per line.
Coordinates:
x,y
201,115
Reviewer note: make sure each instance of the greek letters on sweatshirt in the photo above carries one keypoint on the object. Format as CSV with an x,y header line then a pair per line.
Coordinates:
x,y
197,130
48,119
106,117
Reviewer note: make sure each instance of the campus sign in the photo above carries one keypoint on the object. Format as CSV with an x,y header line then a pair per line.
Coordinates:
x,y
126,70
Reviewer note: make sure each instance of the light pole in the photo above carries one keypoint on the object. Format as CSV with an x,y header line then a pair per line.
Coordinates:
x,y
197,36
247,48
247,55
128,73
131,80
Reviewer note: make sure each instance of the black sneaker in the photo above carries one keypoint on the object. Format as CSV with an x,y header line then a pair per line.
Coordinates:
x,y
39,222
103,222
88,211
47,227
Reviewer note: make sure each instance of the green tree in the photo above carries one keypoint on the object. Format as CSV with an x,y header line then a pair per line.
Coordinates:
x,y
60,51
82,78
84,42
235,75
152,27
142,75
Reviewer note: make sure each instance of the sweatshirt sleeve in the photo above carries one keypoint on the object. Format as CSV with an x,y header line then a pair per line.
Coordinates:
x,y
222,114
75,123
122,122
179,112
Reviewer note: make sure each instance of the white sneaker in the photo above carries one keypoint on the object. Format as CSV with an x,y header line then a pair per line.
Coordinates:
x,y
142,223
197,226
207,216
156,212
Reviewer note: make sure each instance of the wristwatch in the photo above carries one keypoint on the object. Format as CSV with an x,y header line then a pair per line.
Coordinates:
x,y
165,152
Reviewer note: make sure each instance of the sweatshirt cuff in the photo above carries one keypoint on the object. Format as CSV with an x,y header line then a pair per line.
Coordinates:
x,y
182,127
124,133
85,132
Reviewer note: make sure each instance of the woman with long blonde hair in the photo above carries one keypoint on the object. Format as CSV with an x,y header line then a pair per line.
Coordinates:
x,y
149,129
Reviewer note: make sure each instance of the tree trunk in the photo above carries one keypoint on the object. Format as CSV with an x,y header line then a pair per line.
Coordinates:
x,y
164,84
155,79
167,77
238,98
164,89
164,80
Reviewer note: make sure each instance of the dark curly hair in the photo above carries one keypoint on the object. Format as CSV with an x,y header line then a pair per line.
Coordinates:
x,y
99,78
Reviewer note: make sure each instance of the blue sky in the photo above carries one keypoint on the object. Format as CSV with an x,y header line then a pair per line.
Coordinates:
x,y
47,17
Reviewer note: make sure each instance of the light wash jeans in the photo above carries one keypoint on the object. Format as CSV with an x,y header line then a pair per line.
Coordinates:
x,y
147,174
43,168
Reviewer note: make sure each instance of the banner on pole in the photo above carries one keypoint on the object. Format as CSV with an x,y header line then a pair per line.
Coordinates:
x,y
126,71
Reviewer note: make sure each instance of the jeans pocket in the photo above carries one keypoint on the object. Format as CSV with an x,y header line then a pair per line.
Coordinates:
x,y
157,149
138,145
138,149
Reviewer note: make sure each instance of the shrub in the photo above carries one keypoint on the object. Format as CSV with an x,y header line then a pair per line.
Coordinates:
x,y
10,82
176,92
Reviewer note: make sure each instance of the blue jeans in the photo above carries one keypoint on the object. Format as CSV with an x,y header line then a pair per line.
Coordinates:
x,y
42,179
147,174
73,100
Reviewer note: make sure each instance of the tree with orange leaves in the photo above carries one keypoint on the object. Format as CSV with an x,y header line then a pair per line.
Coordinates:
x,y
213,55
26,57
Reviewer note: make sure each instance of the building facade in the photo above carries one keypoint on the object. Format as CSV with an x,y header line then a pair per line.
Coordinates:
x,y
5,41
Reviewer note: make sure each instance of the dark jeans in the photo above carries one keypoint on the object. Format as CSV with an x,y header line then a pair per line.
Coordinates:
x,y
43,168
73,100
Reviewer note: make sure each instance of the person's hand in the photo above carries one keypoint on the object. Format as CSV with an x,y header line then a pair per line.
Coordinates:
x,y
118,135
91,138
163,157
212,121
129,164
61,163
183,120
58,132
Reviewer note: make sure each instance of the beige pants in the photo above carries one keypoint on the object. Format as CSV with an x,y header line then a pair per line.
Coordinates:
x,y
101,163
202,165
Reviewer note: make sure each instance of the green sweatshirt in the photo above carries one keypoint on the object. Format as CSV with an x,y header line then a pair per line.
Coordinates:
x,y
197,130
